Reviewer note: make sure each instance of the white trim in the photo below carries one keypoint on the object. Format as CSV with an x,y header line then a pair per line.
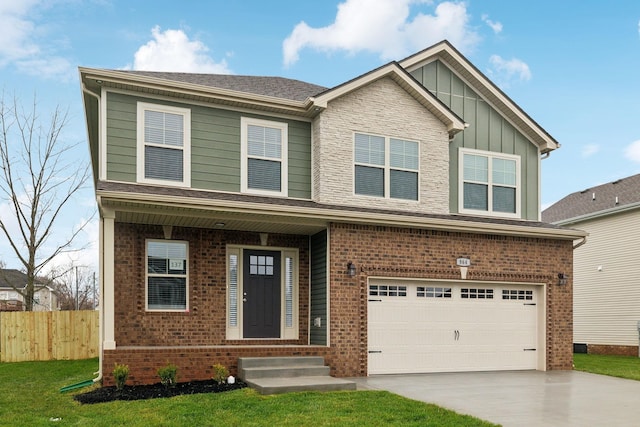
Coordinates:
x,y
146,277
284,156
386,167
186,144
292,333
102,135
108,280
490,155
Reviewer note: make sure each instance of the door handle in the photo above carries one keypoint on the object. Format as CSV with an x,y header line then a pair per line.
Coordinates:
x,y
456,335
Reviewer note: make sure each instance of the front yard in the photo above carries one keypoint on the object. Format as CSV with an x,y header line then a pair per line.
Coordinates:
x,y
29,395
614,366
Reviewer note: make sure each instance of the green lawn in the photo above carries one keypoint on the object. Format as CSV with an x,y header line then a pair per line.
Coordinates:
x,y
615,366
29,396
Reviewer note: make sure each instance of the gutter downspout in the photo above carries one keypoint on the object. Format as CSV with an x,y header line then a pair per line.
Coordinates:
x,y
582,242
101,301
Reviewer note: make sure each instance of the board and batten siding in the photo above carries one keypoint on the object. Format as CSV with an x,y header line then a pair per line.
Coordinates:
x,y
318,308
215,146
606,289
487,131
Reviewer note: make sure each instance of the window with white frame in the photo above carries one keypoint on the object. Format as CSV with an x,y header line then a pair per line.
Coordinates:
x,y
386,167
264,156
164,145
167,281
490,183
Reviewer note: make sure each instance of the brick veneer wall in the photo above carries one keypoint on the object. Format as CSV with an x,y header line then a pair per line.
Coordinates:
x,y
205,322
400,252
617,350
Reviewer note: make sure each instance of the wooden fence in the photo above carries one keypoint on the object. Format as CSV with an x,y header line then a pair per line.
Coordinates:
x,y
48,335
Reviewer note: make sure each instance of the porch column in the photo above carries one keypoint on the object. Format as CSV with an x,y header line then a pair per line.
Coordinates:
x,y
107,267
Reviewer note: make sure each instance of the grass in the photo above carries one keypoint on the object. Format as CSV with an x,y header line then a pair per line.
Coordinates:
x,y
614,366
29,396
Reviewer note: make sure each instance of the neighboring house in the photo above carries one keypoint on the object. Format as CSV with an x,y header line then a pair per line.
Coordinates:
x,y
606,300
389,224
44,298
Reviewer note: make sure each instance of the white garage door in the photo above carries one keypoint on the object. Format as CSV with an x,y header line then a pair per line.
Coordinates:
x,y
423,327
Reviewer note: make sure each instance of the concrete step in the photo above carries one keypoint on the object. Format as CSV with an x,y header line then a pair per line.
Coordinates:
x,y
288,385
257,362
283,372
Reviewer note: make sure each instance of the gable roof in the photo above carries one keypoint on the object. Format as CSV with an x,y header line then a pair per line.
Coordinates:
x,y
10,278
616,196
445,52
399,75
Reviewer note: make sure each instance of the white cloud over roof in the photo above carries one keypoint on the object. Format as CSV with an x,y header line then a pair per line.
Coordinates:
x,y
172,50
632,152
385,27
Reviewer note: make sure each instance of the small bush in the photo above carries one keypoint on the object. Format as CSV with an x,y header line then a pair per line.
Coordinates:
x,y
168,375
120,375
220,373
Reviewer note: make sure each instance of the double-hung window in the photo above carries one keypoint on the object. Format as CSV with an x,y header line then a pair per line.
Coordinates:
x,y
167,284
490,183
386,167
264,157
164,145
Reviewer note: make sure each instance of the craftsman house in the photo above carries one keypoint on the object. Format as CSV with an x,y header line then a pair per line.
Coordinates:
x,y
606,293
390,224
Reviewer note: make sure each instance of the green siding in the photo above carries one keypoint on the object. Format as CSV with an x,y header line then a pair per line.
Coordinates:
x,y
318,335
487,131
215,146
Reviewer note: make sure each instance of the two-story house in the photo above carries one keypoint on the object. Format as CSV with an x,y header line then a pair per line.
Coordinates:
x,y
12,286
390,224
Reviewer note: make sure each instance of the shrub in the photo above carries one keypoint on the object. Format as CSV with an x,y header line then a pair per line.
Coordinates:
x,y
168,375
120,375
220,373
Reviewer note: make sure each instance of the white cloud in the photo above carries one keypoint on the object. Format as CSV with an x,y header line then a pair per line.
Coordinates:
x,y
171,50
383,27
494,25
26,42
632,152
504,71
590,149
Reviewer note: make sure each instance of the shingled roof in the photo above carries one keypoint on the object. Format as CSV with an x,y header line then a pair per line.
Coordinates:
x,y
277,87
616,195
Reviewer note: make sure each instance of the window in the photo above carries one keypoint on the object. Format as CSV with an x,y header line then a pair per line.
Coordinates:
x,y
387,290
476,293
386,167
264,156
517,294
433,292
167,275
490,183
164,145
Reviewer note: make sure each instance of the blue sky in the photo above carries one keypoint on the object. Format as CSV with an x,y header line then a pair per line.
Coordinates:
x,y
572,65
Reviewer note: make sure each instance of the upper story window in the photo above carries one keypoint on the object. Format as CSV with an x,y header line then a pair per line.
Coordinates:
x,y
164,145
489,183
264,157
167,275
386,167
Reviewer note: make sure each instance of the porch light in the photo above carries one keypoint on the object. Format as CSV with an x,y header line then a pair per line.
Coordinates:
x,y
351,269
562,279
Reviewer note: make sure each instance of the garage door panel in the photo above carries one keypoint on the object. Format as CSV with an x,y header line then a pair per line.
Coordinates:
x,y
411,333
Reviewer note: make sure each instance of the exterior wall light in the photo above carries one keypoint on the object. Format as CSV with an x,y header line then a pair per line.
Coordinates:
x,y
562,279
351,269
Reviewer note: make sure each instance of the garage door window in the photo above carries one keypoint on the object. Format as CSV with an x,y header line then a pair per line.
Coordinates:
x,y
472,293
517,294
387,291
433,292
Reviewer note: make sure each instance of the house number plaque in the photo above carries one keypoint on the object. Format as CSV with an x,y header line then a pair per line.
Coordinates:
x,y
463,262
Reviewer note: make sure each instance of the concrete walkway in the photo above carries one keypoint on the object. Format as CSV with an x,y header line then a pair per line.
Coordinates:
x,y
523,398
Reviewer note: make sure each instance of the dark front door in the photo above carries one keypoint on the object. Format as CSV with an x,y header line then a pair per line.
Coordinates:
x,y
261,286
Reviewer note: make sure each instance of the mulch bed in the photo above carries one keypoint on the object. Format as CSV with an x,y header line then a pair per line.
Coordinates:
x,y
152,391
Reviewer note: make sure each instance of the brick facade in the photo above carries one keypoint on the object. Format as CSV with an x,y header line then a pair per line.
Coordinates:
x,y
617,350
410,253
196,340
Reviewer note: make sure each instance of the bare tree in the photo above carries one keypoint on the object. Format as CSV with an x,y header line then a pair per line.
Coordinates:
x,y
75,287
38,178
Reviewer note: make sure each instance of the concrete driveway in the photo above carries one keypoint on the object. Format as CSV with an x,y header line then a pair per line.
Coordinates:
x,y
523,398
